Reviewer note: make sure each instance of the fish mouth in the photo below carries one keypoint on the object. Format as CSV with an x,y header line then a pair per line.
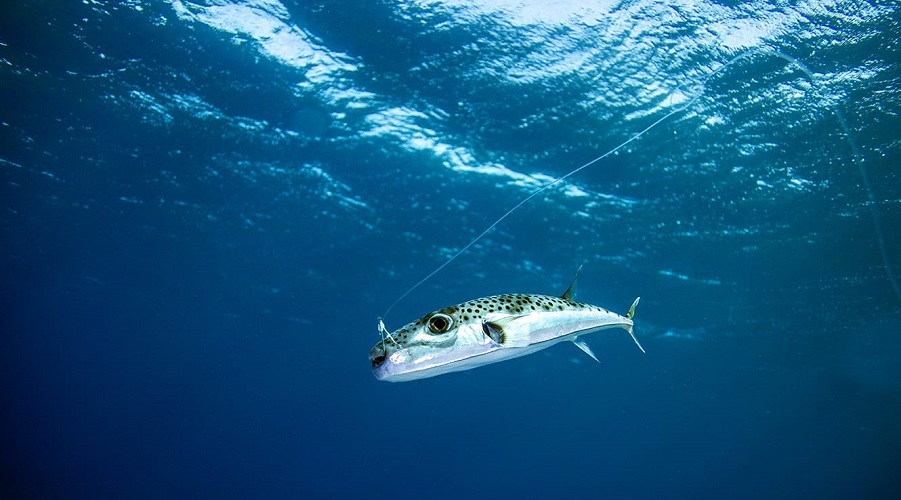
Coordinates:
x,y
377,356
384,367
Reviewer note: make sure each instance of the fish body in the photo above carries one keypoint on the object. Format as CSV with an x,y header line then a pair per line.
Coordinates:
x,y
488,330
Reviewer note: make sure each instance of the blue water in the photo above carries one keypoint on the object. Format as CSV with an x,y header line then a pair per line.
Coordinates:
x,y
206,205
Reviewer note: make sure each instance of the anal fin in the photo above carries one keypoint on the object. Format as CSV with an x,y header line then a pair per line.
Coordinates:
x,y
581,344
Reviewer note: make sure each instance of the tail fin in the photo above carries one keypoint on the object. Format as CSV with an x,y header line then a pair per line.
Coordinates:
x,y
630,315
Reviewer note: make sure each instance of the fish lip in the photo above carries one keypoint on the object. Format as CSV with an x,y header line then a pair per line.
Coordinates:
x,y
384,374
382,366
382,371
390,371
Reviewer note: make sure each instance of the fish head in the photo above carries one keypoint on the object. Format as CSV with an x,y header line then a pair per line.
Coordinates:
x,y
434,344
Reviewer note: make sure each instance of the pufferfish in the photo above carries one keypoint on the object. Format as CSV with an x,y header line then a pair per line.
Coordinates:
x,y
488,330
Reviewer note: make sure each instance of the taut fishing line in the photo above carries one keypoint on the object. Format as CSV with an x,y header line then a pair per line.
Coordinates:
x,y
858,160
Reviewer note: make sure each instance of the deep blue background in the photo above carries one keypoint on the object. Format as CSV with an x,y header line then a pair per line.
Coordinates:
x,y
201,222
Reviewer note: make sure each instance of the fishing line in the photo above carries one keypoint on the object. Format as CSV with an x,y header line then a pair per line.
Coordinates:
x,y
526,200
556,181
700,92
864,175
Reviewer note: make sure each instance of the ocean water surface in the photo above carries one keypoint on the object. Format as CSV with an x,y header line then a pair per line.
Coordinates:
x,y
205,206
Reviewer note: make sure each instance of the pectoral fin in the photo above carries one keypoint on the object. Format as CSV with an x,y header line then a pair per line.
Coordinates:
x,y
500,329
581,344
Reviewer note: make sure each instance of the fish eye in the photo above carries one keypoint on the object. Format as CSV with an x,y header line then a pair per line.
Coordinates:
x,y
440,323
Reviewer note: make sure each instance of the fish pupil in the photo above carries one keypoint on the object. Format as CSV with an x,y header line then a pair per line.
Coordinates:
x,y
439,324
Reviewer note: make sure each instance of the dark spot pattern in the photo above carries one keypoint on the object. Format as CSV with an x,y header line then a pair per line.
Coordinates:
x,y
475,310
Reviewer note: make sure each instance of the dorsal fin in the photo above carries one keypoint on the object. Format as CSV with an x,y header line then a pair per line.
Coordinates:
x,y
570,293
